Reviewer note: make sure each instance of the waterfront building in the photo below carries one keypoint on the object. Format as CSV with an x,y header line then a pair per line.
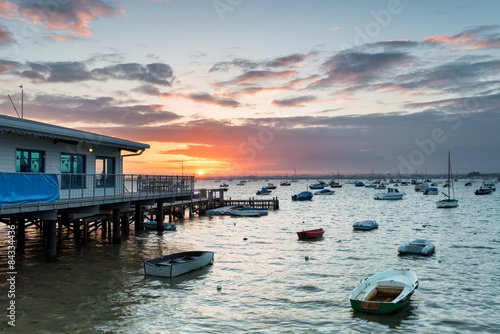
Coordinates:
x,y
53,174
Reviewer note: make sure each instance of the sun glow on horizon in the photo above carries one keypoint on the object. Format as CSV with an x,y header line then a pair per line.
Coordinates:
x,y
200,172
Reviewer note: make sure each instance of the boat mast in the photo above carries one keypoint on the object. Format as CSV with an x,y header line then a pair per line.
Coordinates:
x,y
450,177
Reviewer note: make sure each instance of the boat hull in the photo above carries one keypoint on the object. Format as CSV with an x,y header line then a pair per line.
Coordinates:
x,y
380,308
447,203
417,247
178,263
365,225
385,292
311,234
303,196
151,225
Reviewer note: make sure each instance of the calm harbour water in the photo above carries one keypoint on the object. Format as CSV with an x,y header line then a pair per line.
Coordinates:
x,y
267,286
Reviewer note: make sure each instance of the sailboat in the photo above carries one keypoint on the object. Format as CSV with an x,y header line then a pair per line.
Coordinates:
x,y
337,184
448,202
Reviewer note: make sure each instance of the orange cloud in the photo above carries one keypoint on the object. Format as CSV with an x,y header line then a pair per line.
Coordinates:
x,y
61,38
464,41
73,15
8,10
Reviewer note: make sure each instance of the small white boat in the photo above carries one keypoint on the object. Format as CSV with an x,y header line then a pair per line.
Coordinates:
x,y
178,263
418,247
365,225
391,194
385,292
151,225
263,191
325,192
247,212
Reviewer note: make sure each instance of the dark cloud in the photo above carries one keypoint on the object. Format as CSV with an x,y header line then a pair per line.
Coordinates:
x,y
99,111
156,73
287,60
294,101
252,77
451,77
73,15
247,64
202,97
209,99
225,66
352,68
9,67
5,36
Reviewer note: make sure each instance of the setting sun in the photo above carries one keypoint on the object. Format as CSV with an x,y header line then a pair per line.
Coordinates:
x,y
200,172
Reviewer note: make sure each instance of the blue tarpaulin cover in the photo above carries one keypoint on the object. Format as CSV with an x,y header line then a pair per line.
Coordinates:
x,y
28,188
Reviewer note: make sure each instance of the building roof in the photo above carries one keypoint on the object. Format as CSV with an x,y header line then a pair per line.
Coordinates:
x,y
21,126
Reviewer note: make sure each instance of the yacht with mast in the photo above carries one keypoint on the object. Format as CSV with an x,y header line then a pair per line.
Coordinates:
x,y
448,202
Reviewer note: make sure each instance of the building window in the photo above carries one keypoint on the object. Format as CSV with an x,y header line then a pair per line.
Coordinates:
x,y
29,161
72,164
105,170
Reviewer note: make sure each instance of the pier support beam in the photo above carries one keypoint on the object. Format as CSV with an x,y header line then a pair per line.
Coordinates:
x,y
159,217
116,227
51,252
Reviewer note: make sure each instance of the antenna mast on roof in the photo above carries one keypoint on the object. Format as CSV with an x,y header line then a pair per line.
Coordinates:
x,y
13,106
22,101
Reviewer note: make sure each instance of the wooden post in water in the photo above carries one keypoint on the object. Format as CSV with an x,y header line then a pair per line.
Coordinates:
x,y
210,199
51,252
138,217
116,227
104,227
21,232
159,217
86,236
125,223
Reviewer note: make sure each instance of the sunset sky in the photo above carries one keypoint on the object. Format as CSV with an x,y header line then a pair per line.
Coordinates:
x,y
238,87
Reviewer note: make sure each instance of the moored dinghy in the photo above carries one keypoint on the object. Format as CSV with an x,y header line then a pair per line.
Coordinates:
x,y
365,225
311,234
385,292
303,196
418,247
178,263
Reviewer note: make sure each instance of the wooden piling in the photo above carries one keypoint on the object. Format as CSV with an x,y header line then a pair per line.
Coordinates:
x,y
51,252
159,217
138,218
116,227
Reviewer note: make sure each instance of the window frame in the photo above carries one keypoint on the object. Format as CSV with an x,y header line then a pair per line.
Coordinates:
x,y
41,168
106,177
73,181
